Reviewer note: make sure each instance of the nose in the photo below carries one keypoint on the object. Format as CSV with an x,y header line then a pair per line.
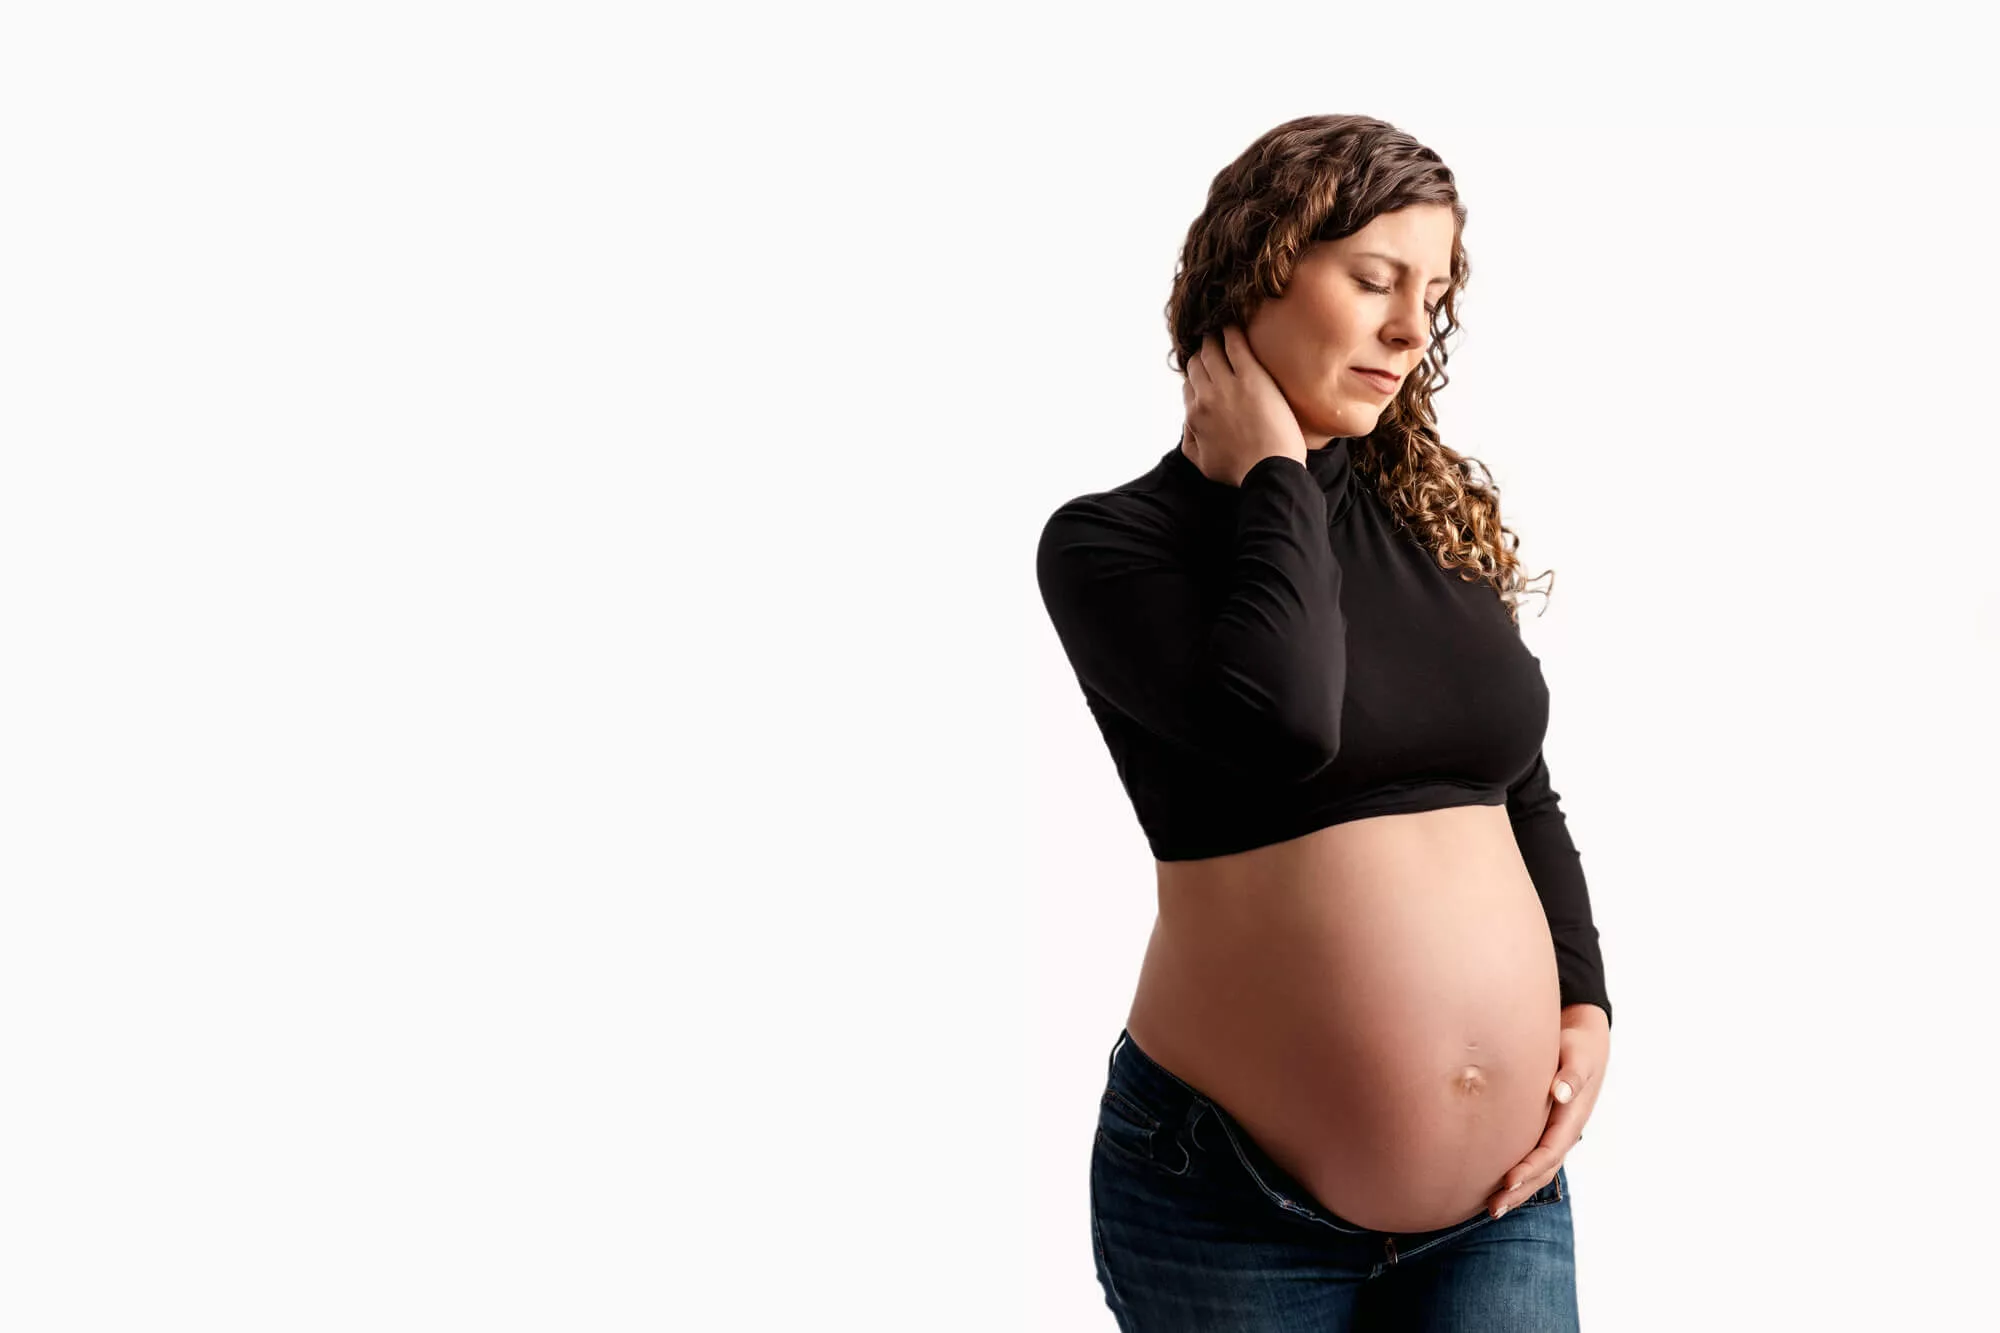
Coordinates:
x,y
1408,326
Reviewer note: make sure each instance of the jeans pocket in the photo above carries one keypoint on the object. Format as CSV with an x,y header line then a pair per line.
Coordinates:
x,y
1132,1131
1126,1126
1553,1192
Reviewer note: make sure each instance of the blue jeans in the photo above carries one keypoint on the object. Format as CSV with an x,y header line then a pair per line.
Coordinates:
x,y
1196,1228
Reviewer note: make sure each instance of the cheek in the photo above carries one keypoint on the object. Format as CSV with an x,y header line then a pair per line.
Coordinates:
x,y
1274,335
1323,350
1306,342
1293,340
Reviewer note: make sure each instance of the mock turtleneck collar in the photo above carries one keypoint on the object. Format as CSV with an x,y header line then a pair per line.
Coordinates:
x,y
1331,465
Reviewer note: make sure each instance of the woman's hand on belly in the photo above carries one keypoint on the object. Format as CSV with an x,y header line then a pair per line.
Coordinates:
x,y
1585,1050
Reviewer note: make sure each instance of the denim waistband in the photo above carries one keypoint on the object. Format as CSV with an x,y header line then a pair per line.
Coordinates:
x,y
1157,1091
1177,1111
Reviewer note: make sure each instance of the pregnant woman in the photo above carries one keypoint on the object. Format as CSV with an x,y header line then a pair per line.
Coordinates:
x,y
1372,1016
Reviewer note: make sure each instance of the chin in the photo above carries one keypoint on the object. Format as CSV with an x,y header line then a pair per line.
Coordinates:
x,y
1346,419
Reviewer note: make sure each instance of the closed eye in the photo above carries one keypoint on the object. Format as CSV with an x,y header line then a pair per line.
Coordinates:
x,y
1384,291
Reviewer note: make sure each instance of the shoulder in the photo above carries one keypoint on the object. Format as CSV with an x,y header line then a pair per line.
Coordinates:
x,y
1152,524
1153,508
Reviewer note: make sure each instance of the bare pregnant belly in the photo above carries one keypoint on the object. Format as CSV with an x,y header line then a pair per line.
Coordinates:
x,y
1376,1003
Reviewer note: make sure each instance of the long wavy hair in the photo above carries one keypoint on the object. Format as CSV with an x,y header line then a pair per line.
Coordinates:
x,y
1320,178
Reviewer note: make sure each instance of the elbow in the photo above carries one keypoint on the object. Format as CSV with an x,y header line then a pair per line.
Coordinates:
x,y
1309,737
1287,734
1301,743
1271,748
1306,752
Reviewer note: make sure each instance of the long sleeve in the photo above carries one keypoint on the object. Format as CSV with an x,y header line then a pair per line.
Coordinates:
x,y
1554,864
1254,685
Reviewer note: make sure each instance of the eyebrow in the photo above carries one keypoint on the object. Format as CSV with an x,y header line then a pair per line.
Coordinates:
x,y
1401,267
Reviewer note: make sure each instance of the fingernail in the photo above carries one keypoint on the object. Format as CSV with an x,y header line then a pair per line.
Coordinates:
x,y
1497,1212
1563,1092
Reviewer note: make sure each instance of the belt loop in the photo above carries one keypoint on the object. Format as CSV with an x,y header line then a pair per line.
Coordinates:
x,y
1175,1129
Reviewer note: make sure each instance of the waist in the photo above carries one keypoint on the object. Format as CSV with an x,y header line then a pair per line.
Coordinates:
x,y
1442,855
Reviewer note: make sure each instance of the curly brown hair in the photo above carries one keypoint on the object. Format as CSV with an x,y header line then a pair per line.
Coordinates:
x,y
1320,178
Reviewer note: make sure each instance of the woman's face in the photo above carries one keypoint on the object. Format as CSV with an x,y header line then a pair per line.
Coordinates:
x,y
1329,323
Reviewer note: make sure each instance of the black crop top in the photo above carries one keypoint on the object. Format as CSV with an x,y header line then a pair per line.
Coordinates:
x,y
1270,659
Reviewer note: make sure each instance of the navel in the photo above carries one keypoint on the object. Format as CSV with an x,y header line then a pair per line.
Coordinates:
x,y
1470,1079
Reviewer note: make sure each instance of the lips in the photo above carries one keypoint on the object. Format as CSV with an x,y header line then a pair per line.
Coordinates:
x,y
1379,378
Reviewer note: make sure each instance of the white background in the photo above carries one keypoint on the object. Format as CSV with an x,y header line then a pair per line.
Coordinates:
x,y
536,789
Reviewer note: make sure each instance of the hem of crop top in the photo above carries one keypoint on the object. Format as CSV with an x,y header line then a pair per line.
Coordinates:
x,y
1396,799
